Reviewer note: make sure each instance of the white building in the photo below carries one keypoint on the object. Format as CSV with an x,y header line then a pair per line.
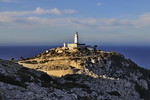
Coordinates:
x,y
77,43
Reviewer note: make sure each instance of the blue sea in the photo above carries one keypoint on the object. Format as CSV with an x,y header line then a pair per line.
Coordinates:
x,y
139,54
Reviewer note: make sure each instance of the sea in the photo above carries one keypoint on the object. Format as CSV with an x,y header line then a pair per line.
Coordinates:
x,y
139,54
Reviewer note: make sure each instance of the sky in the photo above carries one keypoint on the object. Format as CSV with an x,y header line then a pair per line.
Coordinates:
x,y
53,22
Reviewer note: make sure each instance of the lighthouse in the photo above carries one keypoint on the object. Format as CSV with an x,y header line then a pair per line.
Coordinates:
x,y
76,38
76,43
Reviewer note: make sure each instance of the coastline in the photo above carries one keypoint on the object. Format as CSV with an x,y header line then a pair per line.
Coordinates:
x,y
138,54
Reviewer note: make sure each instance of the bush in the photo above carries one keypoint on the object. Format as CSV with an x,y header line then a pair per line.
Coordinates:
x,y
115,93
46,78
11,80
113,53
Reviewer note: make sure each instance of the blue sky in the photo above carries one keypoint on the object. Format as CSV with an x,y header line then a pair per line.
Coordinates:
x,y
53,22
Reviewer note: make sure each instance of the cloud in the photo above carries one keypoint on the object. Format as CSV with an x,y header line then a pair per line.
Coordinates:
x,y
113,30
55,11
83,23
99,4
109,21
42,11
143,20
6,19
16,13
50,21
70,11
38,11
14,16
99,24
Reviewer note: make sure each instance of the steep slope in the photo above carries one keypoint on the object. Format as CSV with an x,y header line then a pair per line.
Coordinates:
x,y
82,74
97,64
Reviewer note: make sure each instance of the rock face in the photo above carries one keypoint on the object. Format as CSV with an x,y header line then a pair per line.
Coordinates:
x,y
74,74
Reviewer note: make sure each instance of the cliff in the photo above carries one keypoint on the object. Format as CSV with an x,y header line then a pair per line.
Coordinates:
x,y
74,74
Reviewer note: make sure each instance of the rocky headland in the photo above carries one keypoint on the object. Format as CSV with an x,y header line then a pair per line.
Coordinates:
x,y
74,74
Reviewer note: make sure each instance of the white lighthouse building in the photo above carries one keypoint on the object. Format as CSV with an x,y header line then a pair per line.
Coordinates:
x,y
76,42
76,38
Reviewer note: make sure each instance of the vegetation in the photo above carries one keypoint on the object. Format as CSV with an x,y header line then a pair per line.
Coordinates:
x,y
11,80
115,93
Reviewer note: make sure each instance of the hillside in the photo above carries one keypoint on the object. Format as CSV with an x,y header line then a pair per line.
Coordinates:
x,y
74,74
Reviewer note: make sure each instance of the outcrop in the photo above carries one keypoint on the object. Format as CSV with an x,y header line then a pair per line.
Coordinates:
x,y
74,74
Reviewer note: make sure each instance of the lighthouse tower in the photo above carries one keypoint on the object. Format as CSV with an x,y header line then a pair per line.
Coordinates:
x,y
76,43
76,38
